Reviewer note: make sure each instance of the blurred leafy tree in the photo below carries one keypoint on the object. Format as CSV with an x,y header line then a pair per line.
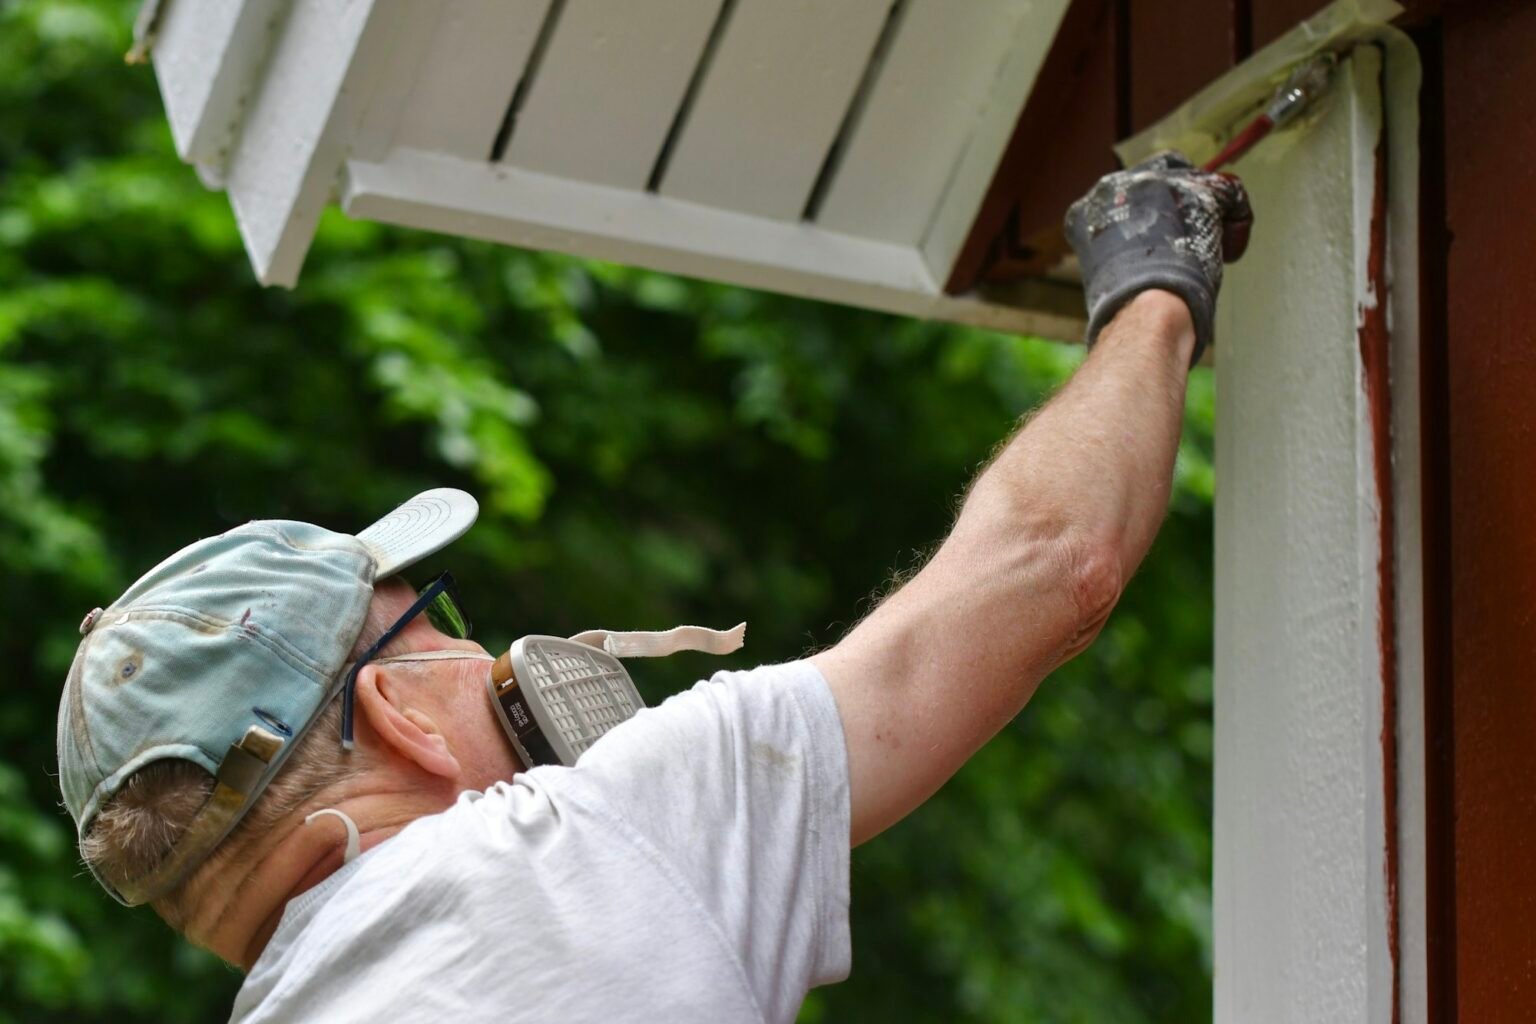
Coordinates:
x,y
648,450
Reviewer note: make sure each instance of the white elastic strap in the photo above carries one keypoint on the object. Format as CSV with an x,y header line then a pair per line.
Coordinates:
x,y
434,656
651,644
425,656
354,840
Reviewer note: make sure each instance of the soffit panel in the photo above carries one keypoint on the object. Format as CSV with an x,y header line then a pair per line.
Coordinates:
x,y
872,122
925,101
601,99
770,103
478,53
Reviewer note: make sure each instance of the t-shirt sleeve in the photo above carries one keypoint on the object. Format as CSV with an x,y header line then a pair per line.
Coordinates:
x,y
742,784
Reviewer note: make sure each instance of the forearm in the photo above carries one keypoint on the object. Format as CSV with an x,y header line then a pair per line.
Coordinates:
x,y
1044,541
1091,471
1054,527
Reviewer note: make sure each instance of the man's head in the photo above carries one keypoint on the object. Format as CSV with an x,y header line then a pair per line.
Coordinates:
x,y
203,708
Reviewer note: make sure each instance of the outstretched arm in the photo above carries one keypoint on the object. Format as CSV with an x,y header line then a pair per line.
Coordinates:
x,y
1044,542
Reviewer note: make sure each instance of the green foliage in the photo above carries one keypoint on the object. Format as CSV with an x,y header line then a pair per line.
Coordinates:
x,y
648,450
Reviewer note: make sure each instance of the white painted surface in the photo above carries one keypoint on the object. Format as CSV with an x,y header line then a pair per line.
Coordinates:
x,y
1403,77
412,26
967,185
408,97
206,57
324,65
929,95
477,53
769,106
608,87
540,211
1300,895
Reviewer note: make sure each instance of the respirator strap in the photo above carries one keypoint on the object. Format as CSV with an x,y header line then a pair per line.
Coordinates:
x,y
660,643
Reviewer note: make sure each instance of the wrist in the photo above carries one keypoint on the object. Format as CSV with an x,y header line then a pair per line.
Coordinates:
x,y
1164,311
1157,318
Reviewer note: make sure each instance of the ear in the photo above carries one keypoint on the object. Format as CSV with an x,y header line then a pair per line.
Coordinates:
x,y
408,731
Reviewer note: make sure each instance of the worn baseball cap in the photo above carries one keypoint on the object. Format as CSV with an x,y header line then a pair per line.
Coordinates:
x,y
223,655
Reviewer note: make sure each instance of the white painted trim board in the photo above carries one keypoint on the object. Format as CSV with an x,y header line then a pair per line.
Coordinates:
x,y
1301,902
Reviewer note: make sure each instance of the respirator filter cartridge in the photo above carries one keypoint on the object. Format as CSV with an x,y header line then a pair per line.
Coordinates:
x,y
555,697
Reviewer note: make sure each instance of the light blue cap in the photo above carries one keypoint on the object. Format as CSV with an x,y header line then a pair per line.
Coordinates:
x,y
223,655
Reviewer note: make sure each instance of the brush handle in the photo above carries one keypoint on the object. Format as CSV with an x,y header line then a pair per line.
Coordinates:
x,y
1241,143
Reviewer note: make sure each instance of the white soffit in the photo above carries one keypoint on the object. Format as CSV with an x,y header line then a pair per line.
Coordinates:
x,y
598,105
770,103
456,106
838,151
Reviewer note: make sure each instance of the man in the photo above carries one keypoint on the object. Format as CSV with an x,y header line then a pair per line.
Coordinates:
x,y
294,759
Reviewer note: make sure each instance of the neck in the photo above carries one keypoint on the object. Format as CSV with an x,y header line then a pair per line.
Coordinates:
x,y
237,915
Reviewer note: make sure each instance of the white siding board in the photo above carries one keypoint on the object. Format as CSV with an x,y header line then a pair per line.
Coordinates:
x,y
531,210
206,57
277,100
1402,79
929,95
412,24
608,88
324,65
770,104
1300,884
478,51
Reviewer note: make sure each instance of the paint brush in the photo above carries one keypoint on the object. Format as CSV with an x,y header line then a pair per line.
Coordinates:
x,y
1299,92
1302,87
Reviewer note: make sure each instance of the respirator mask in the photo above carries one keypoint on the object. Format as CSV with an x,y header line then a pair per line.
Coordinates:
x,y
555,696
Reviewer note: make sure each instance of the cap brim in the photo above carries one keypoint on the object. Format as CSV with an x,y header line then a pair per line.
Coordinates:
x,y
426,524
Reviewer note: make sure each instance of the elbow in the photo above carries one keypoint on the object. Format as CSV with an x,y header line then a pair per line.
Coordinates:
x,y
1094,577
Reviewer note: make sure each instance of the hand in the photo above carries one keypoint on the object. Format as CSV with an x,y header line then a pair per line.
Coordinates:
x,y
1161,224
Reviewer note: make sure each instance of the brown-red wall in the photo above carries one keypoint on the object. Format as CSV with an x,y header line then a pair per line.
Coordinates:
x,y
1481,415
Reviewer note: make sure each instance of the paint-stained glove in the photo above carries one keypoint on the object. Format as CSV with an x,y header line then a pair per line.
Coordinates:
x,y
1161,224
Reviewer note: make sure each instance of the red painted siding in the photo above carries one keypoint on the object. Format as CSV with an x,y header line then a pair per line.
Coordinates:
x,y
1089,118
1274,18
1177,47
1490,181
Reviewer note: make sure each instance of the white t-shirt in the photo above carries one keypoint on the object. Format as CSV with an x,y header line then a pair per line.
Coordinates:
x,y
692,867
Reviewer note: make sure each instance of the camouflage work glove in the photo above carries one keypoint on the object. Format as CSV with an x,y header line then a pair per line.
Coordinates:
x,y
1161,224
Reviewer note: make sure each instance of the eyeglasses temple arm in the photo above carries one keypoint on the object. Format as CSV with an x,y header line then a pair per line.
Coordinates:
x,y
349,685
